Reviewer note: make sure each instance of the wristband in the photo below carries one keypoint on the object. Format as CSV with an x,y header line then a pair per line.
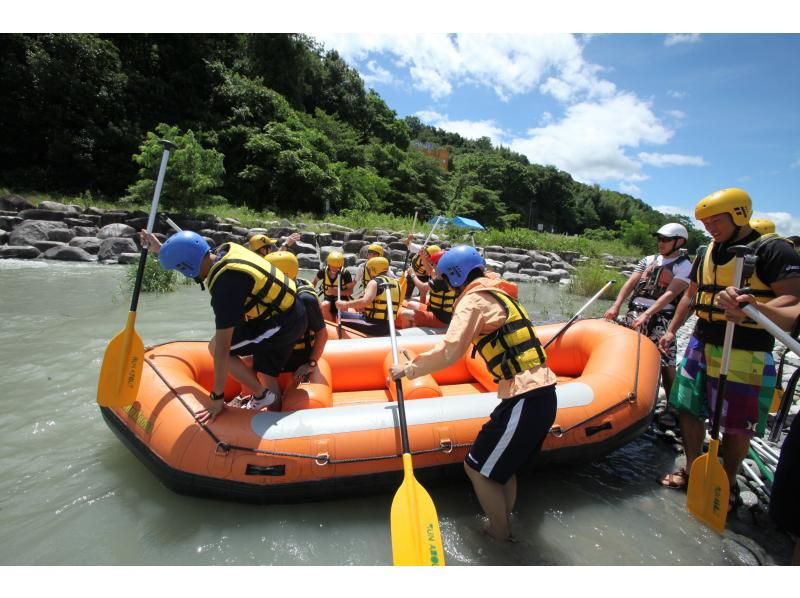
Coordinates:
x,y
312,363
217,397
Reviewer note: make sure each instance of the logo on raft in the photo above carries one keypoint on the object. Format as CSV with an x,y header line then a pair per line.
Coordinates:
x,y
140,420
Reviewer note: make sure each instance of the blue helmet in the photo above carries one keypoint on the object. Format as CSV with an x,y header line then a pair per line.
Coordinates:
x,y
458,262
184,252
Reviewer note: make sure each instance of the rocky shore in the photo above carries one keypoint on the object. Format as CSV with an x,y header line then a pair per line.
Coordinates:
x,y
57,231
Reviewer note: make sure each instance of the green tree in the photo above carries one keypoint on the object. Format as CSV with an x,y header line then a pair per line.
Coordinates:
x,y
193,172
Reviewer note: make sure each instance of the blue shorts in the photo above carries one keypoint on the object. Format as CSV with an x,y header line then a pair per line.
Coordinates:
x,y
514,434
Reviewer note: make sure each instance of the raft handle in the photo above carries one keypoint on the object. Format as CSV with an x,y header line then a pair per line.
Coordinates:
x,y
222,448
557,431
446,445
272,470
592,430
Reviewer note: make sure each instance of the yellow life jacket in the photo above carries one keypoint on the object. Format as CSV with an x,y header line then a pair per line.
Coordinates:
x,y
329,284
442,303
306,342
512,348
416,263
712,279
273,292
378,309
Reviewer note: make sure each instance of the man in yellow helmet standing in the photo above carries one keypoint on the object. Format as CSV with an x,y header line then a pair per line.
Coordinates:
x,y
775,279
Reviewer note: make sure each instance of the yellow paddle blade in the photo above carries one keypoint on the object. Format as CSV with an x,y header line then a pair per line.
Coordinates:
x,y
416,539
709,489
121,371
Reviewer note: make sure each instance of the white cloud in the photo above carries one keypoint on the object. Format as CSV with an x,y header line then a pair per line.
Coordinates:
x,y
590,142
465,128
630,189
681,38
509,64
376,74
676,114
660,160
689,212
677,95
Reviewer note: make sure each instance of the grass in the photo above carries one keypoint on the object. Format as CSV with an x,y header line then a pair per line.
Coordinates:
x,y
155,278
590,278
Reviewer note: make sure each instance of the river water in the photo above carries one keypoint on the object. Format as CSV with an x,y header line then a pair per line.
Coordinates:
x,y
72,494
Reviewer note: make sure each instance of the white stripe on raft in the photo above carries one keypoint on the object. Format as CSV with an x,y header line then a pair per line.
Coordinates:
x,y
377,416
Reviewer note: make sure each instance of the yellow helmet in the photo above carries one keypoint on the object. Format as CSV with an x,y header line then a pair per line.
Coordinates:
x,y
735,202
335,259
285,261
762,225
431,249
376,265
376,248
256,242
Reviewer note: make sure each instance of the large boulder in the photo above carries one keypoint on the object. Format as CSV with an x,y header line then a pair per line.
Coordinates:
x,y
516,277
34,230
9,222
69,254
44,246
114,217
300,247
60,207
40,214
128,258
115,230
3,237
88,244
308,261
60,234
111,248
26,252
14,203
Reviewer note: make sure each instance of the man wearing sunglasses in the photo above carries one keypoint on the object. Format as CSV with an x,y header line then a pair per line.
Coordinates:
x,y
656,286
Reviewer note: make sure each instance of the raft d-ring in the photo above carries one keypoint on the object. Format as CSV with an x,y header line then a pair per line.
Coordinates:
x,y
322,459
557,431
222,448
446,445
631,397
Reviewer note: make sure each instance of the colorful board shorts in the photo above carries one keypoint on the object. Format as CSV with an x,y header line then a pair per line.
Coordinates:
x,y
748,390
655,329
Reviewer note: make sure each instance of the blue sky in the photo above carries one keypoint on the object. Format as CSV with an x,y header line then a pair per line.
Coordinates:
x,y
668,118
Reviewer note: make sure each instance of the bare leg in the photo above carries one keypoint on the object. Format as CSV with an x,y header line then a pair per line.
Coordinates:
x,y
667,378
733,450
693,431
241,371
510,492
492,497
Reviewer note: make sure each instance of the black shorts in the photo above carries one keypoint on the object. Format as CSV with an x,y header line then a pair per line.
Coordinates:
x,y
785,496
270,342
514,434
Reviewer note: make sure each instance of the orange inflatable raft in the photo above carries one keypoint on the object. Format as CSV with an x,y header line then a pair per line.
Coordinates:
x,y
338,433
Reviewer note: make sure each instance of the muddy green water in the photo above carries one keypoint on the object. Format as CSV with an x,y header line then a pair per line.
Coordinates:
x,y
72,494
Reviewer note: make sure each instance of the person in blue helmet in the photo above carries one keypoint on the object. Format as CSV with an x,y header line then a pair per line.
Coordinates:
x,y
488,316
255,310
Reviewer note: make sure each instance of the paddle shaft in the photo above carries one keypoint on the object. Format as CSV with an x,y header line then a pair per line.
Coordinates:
x,y
727,343
428,238
773,328
401,408
339,298
137,287
579,312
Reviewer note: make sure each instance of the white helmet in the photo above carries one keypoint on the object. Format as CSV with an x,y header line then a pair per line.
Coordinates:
x,y
674,230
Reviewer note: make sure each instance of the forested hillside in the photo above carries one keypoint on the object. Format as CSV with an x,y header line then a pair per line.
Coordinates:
x,y
269,121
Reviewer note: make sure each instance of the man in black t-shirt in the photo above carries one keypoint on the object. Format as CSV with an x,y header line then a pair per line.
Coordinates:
x,y
775,279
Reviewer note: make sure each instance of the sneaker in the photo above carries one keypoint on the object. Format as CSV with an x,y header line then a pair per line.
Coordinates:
x,y
265,400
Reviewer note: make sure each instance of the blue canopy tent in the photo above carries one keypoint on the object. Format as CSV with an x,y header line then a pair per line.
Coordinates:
x,y
458,221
